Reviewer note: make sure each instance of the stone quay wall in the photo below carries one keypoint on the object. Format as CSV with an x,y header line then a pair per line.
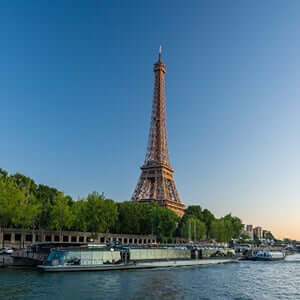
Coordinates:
x,y
20,238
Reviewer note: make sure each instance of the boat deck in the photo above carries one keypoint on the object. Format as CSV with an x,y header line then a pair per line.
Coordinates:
x,y
135,266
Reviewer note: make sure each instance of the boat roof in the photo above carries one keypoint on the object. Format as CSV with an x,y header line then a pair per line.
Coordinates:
x,y
57,244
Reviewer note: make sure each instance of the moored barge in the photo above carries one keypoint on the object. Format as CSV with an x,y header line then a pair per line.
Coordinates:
x,y
109,259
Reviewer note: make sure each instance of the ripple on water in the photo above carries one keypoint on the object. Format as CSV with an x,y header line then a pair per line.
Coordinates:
x,y
245,280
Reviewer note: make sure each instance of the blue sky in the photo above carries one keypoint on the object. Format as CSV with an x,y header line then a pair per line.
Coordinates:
x,y
76,91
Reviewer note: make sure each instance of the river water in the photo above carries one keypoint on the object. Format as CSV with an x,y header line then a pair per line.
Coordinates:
x,y
243,280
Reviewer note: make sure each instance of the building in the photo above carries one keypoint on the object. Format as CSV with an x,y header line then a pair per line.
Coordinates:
x,y
156,182
249,231
257,232
20,238
249,228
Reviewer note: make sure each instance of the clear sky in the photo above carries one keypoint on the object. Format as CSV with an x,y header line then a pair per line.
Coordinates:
x,y
76,86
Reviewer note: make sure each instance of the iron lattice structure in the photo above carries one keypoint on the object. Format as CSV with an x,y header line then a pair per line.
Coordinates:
x,y
156,182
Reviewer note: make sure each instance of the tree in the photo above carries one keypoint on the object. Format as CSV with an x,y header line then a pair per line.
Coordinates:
x,y
244,236
109,215
25,204
208,219
236,225
26,211
61,214
79,211
102,213
46,196
128,220
135,218
9,195
269,236
194,211
25,183
194,229
164,222
226,228
18,208
3,174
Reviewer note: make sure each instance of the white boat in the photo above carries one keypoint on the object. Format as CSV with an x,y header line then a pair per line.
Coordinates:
x,y
101,259
266,255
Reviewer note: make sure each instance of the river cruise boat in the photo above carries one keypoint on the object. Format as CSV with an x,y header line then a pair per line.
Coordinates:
x,y
108,259
266,255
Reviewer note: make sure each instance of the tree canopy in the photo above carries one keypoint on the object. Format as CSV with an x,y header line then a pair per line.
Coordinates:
x,y
25,204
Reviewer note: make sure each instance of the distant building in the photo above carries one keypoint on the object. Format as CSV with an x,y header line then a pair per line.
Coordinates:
x,y
249,231
257,232
249,228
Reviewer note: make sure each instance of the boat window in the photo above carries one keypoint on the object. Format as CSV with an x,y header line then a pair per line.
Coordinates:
x,y
48,238
57,257
28,238
7,237
17,236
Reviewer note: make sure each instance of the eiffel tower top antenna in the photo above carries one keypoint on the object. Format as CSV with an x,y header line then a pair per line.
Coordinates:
x,y
159,53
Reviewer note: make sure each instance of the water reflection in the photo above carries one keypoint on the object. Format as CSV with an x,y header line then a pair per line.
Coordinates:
x,y
247,280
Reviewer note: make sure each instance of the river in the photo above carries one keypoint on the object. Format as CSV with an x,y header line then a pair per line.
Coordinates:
x,y
243,280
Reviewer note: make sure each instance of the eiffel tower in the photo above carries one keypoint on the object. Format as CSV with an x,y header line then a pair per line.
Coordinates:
x,y
156,183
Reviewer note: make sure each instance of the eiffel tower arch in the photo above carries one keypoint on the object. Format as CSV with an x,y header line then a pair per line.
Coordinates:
x,y
156,182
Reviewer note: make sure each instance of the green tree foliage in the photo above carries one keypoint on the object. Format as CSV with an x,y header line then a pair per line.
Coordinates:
x,y
221,230
226,228
25,204
26,211
194,229
9,196
236,225
102,213
208,226
146,218
46,197
208,219
3,174
270,236
164,223
194,211
61,215
244,236
79,211
135,218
